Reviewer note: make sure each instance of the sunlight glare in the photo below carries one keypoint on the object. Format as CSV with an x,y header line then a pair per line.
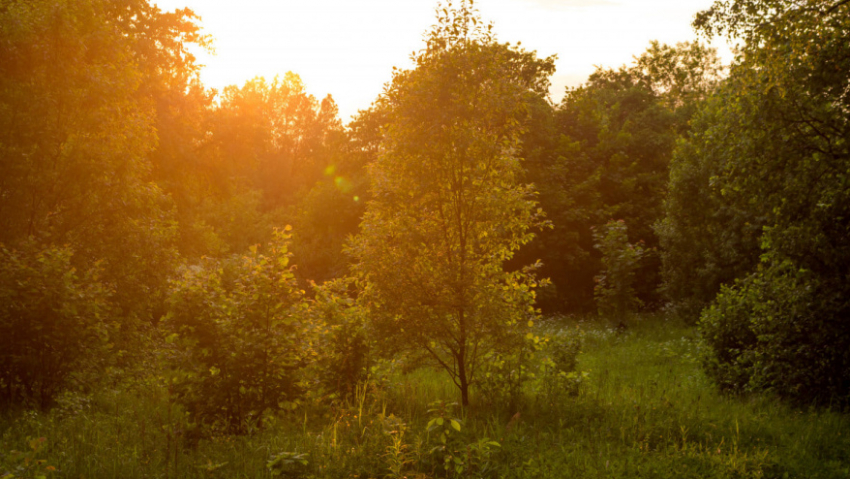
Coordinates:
x,y
347,48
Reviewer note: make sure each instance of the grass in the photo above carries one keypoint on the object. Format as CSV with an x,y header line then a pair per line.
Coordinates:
x,y
644,410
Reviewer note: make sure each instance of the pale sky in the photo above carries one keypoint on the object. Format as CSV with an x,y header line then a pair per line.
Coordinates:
x,y
347,48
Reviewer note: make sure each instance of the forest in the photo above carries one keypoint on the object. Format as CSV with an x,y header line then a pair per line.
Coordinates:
x,y
648,278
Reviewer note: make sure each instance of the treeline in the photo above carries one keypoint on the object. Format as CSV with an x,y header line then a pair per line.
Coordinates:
x,y
132,199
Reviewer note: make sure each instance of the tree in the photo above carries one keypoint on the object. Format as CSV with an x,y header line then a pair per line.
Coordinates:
x,y
447,210
604,153
274,137
77,132
781,154
332,210
706,240
264,147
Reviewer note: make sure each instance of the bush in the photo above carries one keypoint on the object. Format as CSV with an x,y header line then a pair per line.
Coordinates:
x,y
545,366
239,337
558,375
343,350
53,324
782,330
614,292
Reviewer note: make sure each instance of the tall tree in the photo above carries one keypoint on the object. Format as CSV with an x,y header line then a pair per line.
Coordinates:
x,y
780,150
77,130
603,154
267,144
447,209
274,136
332,210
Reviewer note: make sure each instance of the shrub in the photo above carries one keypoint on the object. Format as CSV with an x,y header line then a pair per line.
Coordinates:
x,y
558,375
343,349
782,330
239,337
53,324
450,453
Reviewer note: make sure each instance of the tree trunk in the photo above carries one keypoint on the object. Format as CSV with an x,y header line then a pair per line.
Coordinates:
x,y
464,382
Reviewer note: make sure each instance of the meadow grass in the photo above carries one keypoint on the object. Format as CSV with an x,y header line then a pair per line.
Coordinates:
x,y
644,409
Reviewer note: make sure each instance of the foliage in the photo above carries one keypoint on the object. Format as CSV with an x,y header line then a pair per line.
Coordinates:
x,y
451,456
506,372
559,375
253,155
545,370
289,464
334,206
343,345
780,330
76,131
55,328
784,150
614,292
114,157
239,337
326,216
447,210
273,137
29,463
706,240
603,153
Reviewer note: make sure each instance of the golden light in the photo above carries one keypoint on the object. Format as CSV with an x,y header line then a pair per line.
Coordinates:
x,y
347,48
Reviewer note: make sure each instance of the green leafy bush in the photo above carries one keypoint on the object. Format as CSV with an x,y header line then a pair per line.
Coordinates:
x,y
239,337
54,332
782,330
558,370
500,385
343,349
450,454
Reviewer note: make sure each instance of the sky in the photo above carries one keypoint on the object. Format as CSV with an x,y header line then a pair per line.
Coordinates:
x,y
347,48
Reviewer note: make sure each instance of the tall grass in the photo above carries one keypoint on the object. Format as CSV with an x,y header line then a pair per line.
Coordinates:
x,y
644,410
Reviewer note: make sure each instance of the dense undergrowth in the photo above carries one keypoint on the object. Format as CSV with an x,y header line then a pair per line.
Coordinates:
x,y
640,407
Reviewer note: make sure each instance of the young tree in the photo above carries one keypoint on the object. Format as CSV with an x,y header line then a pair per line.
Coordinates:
x,y
615,292
447,210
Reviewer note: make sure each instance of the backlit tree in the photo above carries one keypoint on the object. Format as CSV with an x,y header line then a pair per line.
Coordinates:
x,y
447,209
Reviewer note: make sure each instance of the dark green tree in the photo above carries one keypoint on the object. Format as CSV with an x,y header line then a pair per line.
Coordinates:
x,y
77,131
706,240
604,153
781,139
